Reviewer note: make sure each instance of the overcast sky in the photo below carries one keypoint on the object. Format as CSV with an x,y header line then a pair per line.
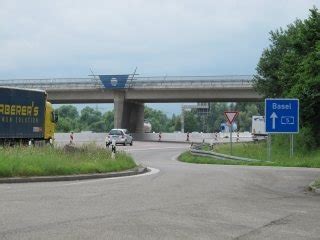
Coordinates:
x,y
190,37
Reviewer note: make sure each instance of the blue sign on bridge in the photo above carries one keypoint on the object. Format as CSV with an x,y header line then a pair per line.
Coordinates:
x,y
114,81
282,115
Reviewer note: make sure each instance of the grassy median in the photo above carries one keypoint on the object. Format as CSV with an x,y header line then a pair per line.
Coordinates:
x,y
280,155
47,161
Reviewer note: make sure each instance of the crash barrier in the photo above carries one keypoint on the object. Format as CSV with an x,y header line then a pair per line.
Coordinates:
x,y
193,137
196,150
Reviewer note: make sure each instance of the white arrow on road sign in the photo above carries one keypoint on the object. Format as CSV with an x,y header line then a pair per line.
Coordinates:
x,y
273,116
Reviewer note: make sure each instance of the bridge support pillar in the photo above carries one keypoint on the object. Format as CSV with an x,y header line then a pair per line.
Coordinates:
x,y
128,114
118,109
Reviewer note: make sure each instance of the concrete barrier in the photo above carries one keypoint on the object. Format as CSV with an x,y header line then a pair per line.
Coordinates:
x,y
99,138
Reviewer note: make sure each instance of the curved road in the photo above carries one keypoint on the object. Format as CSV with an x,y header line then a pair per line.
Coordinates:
x,y
182,201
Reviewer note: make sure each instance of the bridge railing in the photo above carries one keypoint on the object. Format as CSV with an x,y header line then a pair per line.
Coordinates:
x,y
137,82
191,81
53,83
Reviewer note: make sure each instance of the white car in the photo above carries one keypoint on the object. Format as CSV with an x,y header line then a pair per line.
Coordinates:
x,y
121,136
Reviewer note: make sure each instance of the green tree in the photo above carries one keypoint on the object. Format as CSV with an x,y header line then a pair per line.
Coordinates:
x,y
68,118
99,126
65,125
290,67
244,119
246,111
68,111
175,123
191,121
108,118
158,120
89,118
216,116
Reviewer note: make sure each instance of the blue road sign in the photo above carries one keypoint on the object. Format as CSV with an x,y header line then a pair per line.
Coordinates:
x,y
282,115
114,81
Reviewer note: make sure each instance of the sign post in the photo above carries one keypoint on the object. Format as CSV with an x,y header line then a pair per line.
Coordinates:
x,y
231,116
269,148
282,116
291,145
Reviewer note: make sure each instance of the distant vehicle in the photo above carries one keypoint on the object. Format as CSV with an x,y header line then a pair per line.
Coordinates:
x,y
25,116
258,126
121,136
225,128
147,127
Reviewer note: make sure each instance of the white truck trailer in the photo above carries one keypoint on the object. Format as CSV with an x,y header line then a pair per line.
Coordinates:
x,y
258,126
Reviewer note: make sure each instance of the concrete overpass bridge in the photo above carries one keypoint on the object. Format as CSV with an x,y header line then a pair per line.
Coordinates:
x,y
129,99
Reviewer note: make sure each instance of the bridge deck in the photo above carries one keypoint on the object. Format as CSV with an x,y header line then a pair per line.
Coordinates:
x,y
174,82
145,89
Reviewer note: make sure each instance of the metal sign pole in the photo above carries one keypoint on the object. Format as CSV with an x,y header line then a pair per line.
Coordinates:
x,y
230,116
230,139
291,145
269,148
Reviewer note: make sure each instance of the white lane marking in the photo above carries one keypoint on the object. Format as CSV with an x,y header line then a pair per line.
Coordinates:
x,y
159,148
152,171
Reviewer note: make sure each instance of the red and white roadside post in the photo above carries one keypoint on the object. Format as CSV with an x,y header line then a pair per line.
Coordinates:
x,y
231,116
71,138
216,136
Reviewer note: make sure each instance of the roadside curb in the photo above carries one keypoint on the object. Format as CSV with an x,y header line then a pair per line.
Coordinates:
x,y
131,172
313,189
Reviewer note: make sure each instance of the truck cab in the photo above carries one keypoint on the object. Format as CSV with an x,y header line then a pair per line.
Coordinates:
x,y
50,122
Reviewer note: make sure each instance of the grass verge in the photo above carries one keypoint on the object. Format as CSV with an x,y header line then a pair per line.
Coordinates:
x,y
47,161
280,156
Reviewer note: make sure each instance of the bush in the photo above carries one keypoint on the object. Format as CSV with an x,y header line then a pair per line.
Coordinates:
x,y
305,140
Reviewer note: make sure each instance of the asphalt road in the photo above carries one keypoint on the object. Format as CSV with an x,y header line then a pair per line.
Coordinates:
x,y
182,201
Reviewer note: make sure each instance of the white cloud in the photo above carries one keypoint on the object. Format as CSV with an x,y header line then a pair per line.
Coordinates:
x,y
49,38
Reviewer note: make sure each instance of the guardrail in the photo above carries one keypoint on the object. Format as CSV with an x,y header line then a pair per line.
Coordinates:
x,y
170,82
196,150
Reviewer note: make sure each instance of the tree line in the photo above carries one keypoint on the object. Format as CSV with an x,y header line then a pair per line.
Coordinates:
x,y
90,119
290,68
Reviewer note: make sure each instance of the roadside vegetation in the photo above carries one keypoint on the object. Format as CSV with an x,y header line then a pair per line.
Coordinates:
x,y
290,68
47,161
258,151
